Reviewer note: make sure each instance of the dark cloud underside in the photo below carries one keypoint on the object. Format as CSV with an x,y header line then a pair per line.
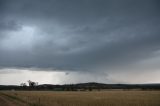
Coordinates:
x,y
78,34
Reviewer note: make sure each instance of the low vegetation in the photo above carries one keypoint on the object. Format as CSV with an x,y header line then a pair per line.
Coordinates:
x,y
80,98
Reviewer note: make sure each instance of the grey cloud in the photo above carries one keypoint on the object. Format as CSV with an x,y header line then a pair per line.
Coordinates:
x,y
79,35
9,25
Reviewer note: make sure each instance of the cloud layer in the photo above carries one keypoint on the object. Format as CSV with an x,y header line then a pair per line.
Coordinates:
x,y
85,35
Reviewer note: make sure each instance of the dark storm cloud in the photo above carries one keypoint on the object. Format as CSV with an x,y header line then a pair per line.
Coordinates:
x,y
9,25
78,34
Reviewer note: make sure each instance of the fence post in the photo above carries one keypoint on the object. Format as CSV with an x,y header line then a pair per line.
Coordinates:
x,y
39,101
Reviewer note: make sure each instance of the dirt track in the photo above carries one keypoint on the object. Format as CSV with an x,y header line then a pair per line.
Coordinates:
x,y
5,101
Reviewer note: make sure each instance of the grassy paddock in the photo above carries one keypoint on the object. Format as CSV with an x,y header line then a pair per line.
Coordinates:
x,y
102,98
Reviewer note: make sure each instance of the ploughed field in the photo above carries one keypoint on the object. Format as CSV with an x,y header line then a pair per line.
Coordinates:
x,y
80,98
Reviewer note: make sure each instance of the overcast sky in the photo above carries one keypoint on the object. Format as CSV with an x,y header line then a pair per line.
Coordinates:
x,y
72,41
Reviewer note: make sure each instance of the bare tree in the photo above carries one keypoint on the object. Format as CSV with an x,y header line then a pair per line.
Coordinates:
x,y
32,84
23,84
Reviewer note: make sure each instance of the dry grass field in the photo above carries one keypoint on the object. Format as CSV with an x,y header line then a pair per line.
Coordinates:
x,y
101,98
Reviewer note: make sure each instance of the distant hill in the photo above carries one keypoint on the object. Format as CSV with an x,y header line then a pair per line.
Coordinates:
x,y
83,87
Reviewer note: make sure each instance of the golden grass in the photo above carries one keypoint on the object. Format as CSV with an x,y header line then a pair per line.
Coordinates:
x,y
101,98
